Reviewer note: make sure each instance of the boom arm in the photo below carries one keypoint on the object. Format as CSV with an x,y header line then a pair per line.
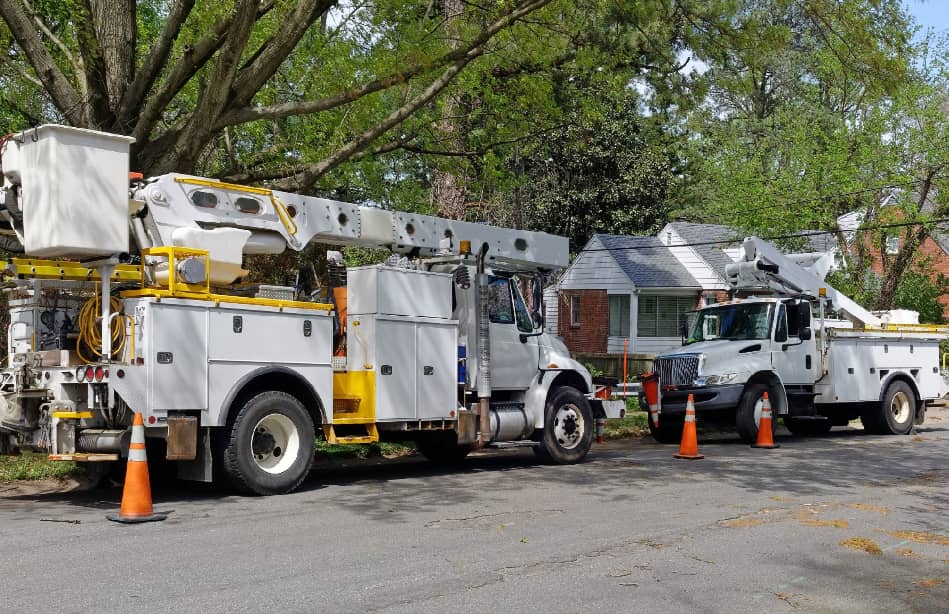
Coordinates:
x,y
763,266
277,220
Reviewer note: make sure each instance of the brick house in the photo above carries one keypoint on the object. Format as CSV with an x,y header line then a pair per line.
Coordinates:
x,y
621,287
934,250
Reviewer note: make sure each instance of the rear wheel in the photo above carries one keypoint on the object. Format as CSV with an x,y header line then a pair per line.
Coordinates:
x,y
270,446
895,414
805,428
568,427
443,448
748,414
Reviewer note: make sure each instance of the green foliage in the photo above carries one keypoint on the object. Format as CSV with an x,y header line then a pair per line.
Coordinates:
x,y
633,425
919,292
603,171
327,451
29,466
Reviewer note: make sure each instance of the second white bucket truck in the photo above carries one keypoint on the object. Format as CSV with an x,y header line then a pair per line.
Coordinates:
x,y
819,372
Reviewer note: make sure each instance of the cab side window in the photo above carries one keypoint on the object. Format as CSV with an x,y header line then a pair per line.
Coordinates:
x,y
500,306
524,321
781,329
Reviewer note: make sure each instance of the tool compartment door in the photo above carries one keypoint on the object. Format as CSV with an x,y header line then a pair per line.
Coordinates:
x,y
437,370
178,357
396,368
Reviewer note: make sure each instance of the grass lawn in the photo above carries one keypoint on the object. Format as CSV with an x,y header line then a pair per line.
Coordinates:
x,y
30,466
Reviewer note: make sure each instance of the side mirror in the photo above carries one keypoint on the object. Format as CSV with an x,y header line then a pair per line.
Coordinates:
x,y
805,333
538,319
804,315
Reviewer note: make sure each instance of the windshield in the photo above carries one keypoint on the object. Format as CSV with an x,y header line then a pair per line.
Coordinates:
x,y
739,321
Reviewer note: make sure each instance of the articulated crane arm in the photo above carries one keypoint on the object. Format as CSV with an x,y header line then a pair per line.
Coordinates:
x,y
762,266
182,209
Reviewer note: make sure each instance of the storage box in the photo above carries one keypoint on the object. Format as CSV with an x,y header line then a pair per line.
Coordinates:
x,y
74,192
401,292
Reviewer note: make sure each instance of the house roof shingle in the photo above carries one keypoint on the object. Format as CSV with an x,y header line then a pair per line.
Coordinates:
x,y
701,238
647,262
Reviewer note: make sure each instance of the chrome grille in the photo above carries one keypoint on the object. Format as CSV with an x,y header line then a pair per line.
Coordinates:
x,y
677,370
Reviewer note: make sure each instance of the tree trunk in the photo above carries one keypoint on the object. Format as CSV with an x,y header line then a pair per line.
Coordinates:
x,y
115,29
913,238
449,189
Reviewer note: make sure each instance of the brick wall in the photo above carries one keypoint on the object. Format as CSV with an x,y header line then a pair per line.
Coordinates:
x,y
590,335
937,263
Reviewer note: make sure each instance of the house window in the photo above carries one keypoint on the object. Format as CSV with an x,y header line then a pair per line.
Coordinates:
x,y
892,245
619,315
659,316
574,311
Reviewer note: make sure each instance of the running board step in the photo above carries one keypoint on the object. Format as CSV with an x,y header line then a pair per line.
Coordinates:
x,y
513,444
371,435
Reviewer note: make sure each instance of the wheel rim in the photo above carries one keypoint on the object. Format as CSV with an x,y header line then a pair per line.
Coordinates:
x,y
275,443
900,407
568,426
759,407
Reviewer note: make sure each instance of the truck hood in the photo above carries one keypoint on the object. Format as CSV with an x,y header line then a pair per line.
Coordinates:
x,y
723,355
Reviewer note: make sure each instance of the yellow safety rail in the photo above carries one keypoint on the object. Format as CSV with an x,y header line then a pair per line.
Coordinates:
x,y
29,268
278,205
175,288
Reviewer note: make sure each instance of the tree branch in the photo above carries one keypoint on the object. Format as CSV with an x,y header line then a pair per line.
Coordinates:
x,y
249,114
275,50
76,62
61,91
157,57
211,101
309,174
193,59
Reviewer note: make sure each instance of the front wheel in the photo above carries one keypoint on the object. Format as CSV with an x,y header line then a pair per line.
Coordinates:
x,y
668,431
749,410
568,427
269,449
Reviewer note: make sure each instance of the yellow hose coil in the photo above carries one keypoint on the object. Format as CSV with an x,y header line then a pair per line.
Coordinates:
x,y
90,332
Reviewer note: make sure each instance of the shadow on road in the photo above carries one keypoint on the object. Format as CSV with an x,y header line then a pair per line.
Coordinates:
x,y
396,489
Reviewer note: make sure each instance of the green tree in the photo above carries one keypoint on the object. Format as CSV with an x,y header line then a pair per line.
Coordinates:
x,y
286,89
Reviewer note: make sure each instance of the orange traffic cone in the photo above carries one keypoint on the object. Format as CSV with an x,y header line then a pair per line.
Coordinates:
x,y
765,434
651,391
689,448
137,492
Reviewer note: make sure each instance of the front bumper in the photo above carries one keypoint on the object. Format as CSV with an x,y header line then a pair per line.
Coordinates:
x,y
708,398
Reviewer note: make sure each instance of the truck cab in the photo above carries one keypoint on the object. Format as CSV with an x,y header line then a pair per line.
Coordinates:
x,y
729,345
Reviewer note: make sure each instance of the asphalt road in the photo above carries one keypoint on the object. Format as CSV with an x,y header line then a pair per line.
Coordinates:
x,y
842,523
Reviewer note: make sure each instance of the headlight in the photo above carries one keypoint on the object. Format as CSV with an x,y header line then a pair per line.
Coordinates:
x,y
714,380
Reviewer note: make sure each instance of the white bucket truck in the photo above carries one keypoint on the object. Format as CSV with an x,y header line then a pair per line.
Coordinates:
x,y
822,359
443,345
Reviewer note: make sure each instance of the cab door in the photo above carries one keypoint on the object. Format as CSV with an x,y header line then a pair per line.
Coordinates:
x,y
513,362
792,358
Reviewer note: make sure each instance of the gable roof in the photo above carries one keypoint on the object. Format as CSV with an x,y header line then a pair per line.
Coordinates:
x,y
647,262
709,241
